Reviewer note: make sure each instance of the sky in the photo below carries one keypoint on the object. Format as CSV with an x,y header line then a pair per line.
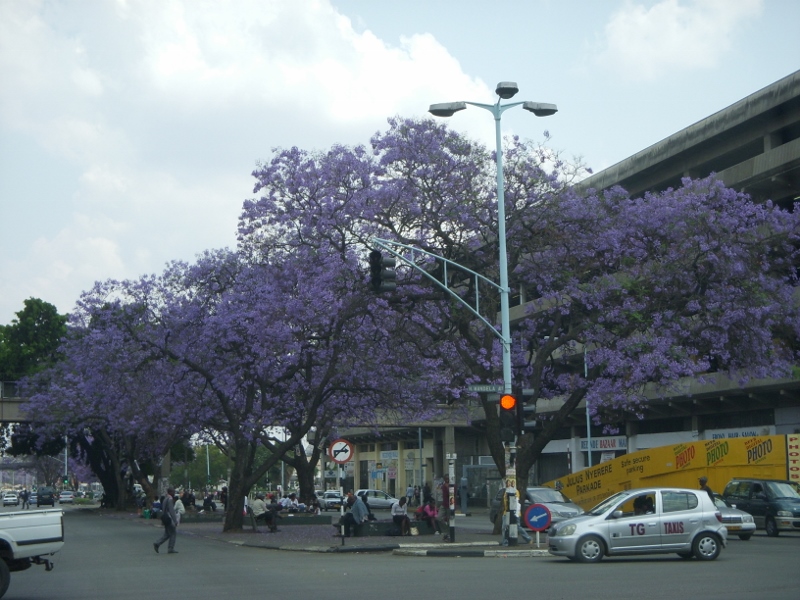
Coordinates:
x,y
129,129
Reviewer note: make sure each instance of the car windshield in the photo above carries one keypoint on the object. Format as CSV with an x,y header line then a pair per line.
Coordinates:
x,y
608,503
547,495
782,490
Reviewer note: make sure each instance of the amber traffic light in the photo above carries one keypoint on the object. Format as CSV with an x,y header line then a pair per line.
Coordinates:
x,y
508,418
508,402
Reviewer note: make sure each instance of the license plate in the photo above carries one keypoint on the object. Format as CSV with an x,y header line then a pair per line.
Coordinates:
x,y
734,527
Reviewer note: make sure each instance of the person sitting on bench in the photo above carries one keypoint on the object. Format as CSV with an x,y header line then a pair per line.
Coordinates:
x,y
355,516
400,516
430,515
264,513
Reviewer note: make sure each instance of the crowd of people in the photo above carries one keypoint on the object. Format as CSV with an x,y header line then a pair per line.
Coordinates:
x,y
429,513
269,508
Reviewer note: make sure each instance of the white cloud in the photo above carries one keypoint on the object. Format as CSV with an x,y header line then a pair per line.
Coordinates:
x,y
644,40
162,108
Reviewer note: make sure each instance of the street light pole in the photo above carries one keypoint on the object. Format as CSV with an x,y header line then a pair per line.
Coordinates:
x,y
504,91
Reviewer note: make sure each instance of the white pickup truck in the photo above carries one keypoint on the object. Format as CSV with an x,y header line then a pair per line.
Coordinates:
x,y
26,538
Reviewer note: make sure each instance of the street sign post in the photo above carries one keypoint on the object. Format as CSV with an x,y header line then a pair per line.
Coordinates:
x,y
486,387
341,451
538,518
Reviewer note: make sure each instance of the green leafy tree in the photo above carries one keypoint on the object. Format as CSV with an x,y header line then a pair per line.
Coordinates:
x,y
30,343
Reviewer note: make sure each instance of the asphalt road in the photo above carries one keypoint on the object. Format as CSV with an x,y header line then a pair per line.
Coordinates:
x,y
106,557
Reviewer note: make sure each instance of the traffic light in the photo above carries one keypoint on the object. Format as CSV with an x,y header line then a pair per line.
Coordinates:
x,y
509,417
66,480
382,275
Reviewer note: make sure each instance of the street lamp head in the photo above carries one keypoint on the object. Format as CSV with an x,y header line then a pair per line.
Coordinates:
x,y
506,89
540,109
446,109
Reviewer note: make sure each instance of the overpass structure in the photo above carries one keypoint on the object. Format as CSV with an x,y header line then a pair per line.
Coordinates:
x,y
10,404
752,145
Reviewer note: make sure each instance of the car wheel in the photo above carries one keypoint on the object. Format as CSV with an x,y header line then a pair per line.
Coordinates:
x,y
772,527
590,549
5,577
745,536
706,546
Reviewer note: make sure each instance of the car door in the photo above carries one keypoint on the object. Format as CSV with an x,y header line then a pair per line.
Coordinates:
x,y
757,504
373,499
737,493
679,518
635,530
383,500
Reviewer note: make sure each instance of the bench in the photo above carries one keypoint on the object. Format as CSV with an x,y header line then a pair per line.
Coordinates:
x,y
206,517
304,519
385,526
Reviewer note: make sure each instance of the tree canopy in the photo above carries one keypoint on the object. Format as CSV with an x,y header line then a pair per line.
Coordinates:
x,y
282,332
30,342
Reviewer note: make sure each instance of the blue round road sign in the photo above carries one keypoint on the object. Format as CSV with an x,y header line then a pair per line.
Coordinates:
x,y
538,517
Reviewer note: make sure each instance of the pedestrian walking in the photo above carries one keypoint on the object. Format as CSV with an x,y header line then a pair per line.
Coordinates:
x,y
170,521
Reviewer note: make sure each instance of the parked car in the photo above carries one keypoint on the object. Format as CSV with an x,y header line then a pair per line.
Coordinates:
x,y
10,499
66,497
46,495
643,521
558,504
377,498
331,500
736,521
33,498
774,504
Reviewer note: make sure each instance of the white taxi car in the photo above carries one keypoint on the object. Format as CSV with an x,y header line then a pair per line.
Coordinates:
x,y
643,521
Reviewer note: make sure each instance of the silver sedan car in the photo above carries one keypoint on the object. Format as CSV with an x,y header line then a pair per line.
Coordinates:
x,y
643,521
736,521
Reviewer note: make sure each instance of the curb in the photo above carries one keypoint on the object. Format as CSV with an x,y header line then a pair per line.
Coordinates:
x,y
469,549
470,553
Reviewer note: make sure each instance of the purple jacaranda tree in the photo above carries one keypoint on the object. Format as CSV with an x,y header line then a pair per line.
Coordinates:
x,y
280,341
425,186
655,289
630,297
118,403
282,334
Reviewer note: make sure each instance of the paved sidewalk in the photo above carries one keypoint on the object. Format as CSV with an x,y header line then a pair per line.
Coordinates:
x,y
325,539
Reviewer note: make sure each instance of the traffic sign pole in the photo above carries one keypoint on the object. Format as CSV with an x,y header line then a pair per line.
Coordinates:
x,y
341,452
538,518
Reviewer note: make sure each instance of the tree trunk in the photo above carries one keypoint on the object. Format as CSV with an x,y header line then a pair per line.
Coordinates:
x,y
238,487
105,463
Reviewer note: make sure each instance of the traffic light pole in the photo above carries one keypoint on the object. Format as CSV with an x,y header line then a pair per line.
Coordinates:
x,y
504,91
505,322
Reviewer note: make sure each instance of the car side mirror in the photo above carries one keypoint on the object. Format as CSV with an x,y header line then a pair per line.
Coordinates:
x,y
761,496
617,514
